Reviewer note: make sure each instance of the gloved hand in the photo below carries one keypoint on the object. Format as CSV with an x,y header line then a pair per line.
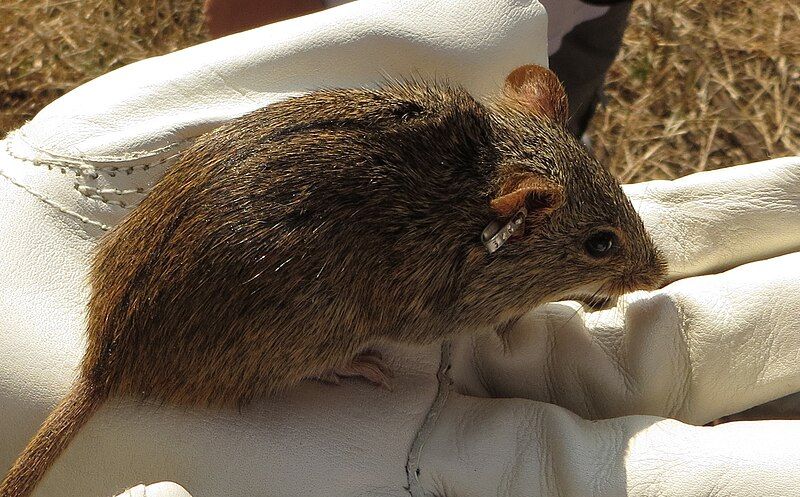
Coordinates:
x,y
490,422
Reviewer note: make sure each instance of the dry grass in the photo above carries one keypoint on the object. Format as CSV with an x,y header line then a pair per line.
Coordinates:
x,y
702,84
48,47
699,84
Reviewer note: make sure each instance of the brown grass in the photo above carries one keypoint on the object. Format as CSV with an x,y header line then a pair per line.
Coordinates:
x,y
700,84
48,47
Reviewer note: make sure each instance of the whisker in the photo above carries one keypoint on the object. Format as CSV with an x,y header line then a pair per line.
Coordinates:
x,y
622,305
565,323
591,300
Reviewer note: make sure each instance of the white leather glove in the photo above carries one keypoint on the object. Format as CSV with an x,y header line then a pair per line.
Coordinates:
x,y
490,422
162,489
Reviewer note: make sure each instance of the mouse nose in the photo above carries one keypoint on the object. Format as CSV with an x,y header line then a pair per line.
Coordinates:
x,y
648,277
646,283
657,270
646,271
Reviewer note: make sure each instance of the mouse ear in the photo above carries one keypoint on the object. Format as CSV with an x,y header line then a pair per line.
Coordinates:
x,y
539,195
538,91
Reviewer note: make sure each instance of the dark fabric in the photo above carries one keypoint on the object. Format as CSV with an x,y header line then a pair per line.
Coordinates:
x,y
583,59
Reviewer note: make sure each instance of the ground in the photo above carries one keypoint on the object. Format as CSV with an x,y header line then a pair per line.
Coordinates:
x,y
699,84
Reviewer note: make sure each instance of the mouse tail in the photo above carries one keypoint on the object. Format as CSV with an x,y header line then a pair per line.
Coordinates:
x,y
52,438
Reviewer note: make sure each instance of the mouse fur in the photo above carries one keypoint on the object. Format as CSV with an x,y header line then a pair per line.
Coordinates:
x,y
287,241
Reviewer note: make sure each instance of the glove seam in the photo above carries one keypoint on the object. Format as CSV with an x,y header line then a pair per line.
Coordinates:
x,y
444,388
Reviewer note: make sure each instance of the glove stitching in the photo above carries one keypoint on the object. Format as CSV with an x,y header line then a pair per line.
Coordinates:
x,y
79,164
20,134
55,205
89,192
97,195
445,386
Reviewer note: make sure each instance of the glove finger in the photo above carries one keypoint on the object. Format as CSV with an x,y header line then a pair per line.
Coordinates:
x,y
521,448
715,220
700,348
161,489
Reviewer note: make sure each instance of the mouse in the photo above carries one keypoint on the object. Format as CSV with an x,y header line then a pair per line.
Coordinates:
x,y
290,243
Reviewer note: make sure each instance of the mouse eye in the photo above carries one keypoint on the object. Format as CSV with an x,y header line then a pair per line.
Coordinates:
x,y
601,244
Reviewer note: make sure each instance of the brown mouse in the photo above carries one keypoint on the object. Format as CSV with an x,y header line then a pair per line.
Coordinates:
x,y
288,242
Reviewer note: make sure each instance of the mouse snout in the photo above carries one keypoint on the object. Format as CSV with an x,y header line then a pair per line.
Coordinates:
x,y
649,274
637,282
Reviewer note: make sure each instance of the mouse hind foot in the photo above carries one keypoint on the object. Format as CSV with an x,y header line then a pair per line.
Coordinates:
x,y
368,365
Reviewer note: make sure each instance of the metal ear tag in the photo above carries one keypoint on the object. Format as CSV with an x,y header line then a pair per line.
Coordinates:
x,y
495,235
